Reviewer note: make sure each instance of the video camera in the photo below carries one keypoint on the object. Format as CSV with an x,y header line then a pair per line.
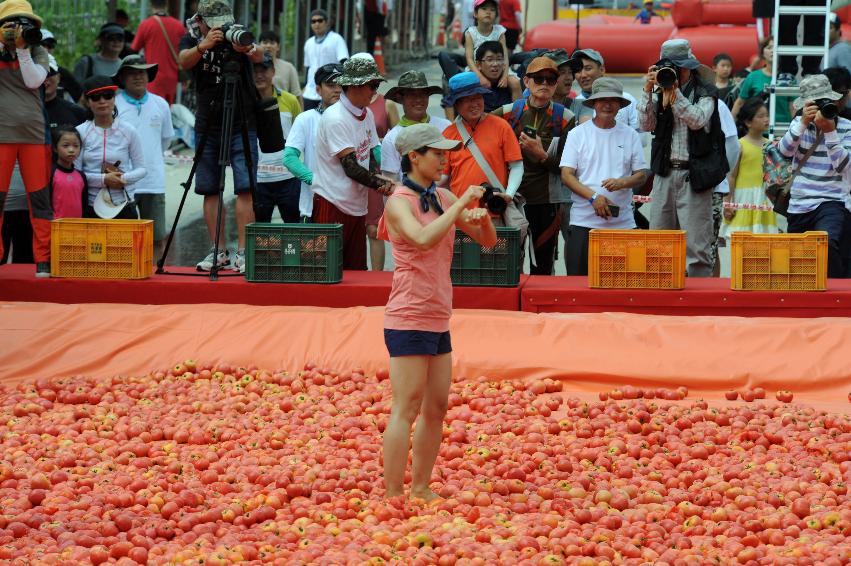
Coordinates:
x,y
492,201
828,108
667,74
29,32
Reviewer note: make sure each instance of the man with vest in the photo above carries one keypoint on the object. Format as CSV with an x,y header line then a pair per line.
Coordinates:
x,y
687,152
538,122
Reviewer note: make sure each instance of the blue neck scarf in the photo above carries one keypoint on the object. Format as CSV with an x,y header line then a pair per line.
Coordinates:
x,y
428,196
137,103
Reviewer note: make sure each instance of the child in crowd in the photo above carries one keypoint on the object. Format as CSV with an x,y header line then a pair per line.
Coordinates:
x,y
68,186
647,14
486,29
746,176
722,64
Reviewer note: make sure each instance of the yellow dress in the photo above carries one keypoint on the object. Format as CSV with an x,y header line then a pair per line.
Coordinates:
x,y
749,191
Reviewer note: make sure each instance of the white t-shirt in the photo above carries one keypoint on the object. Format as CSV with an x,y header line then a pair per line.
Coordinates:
x,y
331,49
599,154
152,121
303,138
275,159
728,126
391,161
339,130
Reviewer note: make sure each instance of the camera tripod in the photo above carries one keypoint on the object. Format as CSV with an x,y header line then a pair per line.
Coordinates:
x,y
230,96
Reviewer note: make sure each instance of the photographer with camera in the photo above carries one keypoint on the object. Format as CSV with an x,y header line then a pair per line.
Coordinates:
x,y
602,162
687,154
819,193
213,41
24,137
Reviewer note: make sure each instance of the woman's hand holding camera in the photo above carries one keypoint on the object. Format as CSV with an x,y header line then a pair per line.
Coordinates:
x,y
13,31
114,180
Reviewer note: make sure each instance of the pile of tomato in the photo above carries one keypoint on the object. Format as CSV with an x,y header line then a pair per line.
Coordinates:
x,y
218,465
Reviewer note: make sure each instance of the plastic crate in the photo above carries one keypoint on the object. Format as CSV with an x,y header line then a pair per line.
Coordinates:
x,y
637,259
93,248
778,262
475,266
294,253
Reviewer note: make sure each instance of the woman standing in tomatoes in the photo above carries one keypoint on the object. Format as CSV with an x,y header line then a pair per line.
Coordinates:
x,y
420,220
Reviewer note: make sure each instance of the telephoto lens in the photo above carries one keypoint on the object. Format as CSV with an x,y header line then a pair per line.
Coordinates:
x,y
666,76
828,108
238,35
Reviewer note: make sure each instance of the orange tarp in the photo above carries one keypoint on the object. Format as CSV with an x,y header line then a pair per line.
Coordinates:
x,y
589,352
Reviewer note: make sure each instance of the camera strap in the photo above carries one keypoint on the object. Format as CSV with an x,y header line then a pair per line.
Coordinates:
x,y
470,144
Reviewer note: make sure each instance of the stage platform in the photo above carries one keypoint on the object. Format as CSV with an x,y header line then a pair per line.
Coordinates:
x,y
358,288
538,294
701,297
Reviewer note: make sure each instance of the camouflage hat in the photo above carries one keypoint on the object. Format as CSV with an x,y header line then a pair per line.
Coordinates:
x,y
411,80
215,13
359,71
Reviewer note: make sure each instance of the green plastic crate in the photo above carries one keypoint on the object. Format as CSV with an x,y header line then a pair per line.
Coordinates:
x,y
475,266
294,253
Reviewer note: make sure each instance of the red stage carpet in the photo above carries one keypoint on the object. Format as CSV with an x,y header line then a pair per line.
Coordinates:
x,y
702,296
358,288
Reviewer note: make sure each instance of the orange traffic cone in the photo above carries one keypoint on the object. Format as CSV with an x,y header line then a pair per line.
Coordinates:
x,y
378,55
441,35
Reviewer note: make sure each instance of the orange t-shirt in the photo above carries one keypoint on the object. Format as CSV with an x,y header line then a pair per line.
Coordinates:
x,y
498,144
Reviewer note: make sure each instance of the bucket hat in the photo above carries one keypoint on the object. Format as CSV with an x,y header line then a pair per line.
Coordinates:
x,y
463,85
18,8
815,87
135,62
423,135
678,52
358,71
606,87
215,13
411,80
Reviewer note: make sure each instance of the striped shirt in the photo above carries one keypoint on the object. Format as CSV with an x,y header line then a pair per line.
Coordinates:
x,y
825,175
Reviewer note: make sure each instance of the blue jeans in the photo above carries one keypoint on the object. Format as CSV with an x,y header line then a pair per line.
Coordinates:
x,y
831,217
207,173
281,194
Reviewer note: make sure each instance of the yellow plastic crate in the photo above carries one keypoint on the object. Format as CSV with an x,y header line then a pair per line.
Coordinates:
x,y
636,259
778,262
90,248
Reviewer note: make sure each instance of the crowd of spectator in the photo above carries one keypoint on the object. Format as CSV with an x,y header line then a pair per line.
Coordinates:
x,y
562,161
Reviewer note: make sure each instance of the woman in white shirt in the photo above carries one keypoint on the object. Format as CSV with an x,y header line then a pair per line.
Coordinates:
x,y
111,156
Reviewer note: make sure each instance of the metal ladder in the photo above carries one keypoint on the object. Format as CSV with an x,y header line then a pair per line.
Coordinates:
x,y
775,127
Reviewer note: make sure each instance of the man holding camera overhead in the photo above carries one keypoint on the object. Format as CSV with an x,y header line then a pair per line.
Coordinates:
x,y
24,137
687,155
214,39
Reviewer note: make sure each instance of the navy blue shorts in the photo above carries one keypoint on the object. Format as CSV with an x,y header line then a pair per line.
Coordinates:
x,y
416,342
207,174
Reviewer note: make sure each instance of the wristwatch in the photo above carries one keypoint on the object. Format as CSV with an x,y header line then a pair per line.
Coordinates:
x,y
593,198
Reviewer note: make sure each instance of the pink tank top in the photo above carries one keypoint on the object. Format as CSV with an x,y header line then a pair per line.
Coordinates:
x,y
67,193
421,296
379,112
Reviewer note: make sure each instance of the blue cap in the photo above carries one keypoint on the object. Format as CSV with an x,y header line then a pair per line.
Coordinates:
x,y
461,85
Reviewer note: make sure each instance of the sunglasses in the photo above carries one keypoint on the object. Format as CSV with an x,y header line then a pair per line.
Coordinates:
x,y
550,80
106,95
317,20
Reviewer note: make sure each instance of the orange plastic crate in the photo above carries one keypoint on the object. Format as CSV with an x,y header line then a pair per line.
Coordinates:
x,y
778,262
89,248
637,259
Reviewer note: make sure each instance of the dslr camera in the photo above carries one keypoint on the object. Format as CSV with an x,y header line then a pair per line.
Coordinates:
x,y
492,201
828,108
667,74
29,32
238,34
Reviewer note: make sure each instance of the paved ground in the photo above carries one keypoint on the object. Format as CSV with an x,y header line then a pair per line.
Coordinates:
x,y
192,242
